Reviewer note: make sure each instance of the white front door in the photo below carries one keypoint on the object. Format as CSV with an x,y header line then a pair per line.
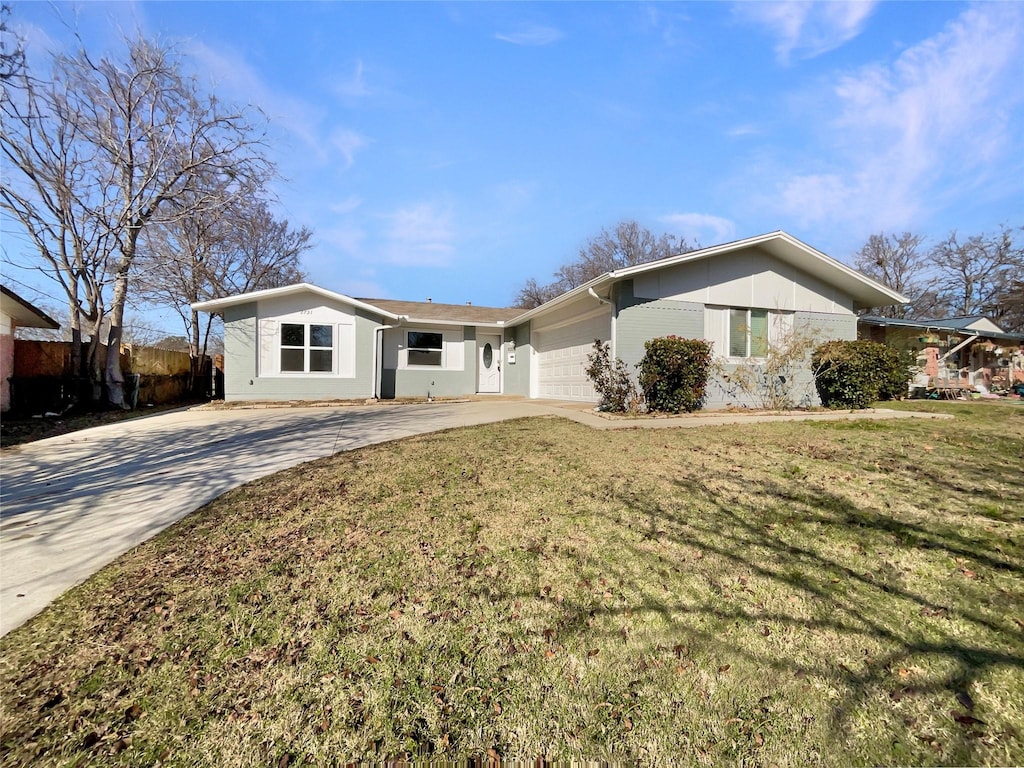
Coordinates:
x,y
488,363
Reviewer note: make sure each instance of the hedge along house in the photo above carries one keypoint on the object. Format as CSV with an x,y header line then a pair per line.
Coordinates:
x,y
302,342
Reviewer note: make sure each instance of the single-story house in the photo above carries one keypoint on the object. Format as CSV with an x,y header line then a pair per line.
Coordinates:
x,y
15,312
304,342
969,352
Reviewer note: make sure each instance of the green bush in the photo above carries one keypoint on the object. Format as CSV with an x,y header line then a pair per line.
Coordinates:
x,y
611,380
854,374
674,374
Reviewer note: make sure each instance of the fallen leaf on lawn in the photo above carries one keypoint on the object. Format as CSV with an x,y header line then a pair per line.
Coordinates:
x,y
593,652
548,654
497,708
759,739
903,672
965,699
724,668
965,719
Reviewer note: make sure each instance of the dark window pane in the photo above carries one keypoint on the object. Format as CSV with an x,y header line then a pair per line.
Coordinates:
x,y
321,336
292,359
421,340
320,359
293,335
488,356
423,357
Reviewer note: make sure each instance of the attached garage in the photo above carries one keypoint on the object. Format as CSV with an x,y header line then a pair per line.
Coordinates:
x,y
561,356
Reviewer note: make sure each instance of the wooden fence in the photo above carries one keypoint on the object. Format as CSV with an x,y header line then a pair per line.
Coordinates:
x,y
43,378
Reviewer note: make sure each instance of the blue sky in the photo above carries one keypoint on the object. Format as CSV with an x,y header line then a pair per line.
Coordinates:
x,y
454,150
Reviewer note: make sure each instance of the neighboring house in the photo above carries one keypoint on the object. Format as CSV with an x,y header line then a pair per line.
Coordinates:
x,y
958,352
15,312
302,342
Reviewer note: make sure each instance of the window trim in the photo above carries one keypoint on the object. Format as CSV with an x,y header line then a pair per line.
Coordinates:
x,y
307,348
748,335
439,350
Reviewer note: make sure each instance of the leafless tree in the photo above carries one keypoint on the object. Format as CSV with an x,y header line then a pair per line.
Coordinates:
x,y
51,190
151,147
625,246
973,274
897,262
244,247
12,47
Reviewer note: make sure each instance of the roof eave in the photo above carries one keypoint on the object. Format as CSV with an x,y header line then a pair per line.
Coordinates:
x,y
218,305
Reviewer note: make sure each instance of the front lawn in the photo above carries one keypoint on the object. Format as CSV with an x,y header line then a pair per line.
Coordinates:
x,y
827,593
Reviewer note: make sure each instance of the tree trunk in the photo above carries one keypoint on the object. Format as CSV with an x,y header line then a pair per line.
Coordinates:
x,y
113,378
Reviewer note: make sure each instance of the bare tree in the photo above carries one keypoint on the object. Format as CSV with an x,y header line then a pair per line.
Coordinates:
x,y
898,263
625,246
973,274
242,248
1008,309
12,47
52,192
154,148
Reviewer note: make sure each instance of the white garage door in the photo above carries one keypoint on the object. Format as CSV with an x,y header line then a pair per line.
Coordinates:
x,y
562,357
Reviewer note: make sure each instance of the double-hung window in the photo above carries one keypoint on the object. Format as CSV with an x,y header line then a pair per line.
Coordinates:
x,y
425,348
307,348
748,332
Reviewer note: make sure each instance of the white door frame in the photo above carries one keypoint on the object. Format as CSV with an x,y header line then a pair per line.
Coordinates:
x,y
485,375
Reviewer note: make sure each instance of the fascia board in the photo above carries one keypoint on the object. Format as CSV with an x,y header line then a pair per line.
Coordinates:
x,y
216,305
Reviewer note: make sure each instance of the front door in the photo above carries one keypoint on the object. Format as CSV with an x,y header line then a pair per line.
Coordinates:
x,y
488,363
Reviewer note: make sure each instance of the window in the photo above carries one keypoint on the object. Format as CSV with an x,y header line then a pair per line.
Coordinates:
x,y
424,348
748,332
307,348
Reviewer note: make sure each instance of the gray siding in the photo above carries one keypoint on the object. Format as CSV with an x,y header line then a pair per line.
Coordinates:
x,y
517,375
823,327
639,321
409,382
241,354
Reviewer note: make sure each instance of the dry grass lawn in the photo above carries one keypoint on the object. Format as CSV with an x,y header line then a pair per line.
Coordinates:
x,y
786,594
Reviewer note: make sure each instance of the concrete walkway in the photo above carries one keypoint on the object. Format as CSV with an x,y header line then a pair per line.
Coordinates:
x,y
71,504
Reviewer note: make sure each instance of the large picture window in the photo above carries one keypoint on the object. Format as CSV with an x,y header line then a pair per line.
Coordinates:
x,y
307,348
425,348
748,332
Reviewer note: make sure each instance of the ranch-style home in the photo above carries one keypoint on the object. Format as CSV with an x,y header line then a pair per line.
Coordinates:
x,y
302,342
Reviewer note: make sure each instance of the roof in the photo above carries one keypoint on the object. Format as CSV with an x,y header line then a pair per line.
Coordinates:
x,y
865,291
428,310
940,325
218,305
24,314
971,322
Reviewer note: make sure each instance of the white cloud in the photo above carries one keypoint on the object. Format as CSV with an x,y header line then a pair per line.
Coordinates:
x,y
347,205
933,123
533,35
348,143
235,78
354,87
420,235
808,28
743,130
702,228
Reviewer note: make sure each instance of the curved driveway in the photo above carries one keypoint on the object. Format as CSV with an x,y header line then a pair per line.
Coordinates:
x,y
71,504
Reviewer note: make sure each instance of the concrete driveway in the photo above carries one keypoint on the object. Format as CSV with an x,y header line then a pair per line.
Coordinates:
x,y
71,504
